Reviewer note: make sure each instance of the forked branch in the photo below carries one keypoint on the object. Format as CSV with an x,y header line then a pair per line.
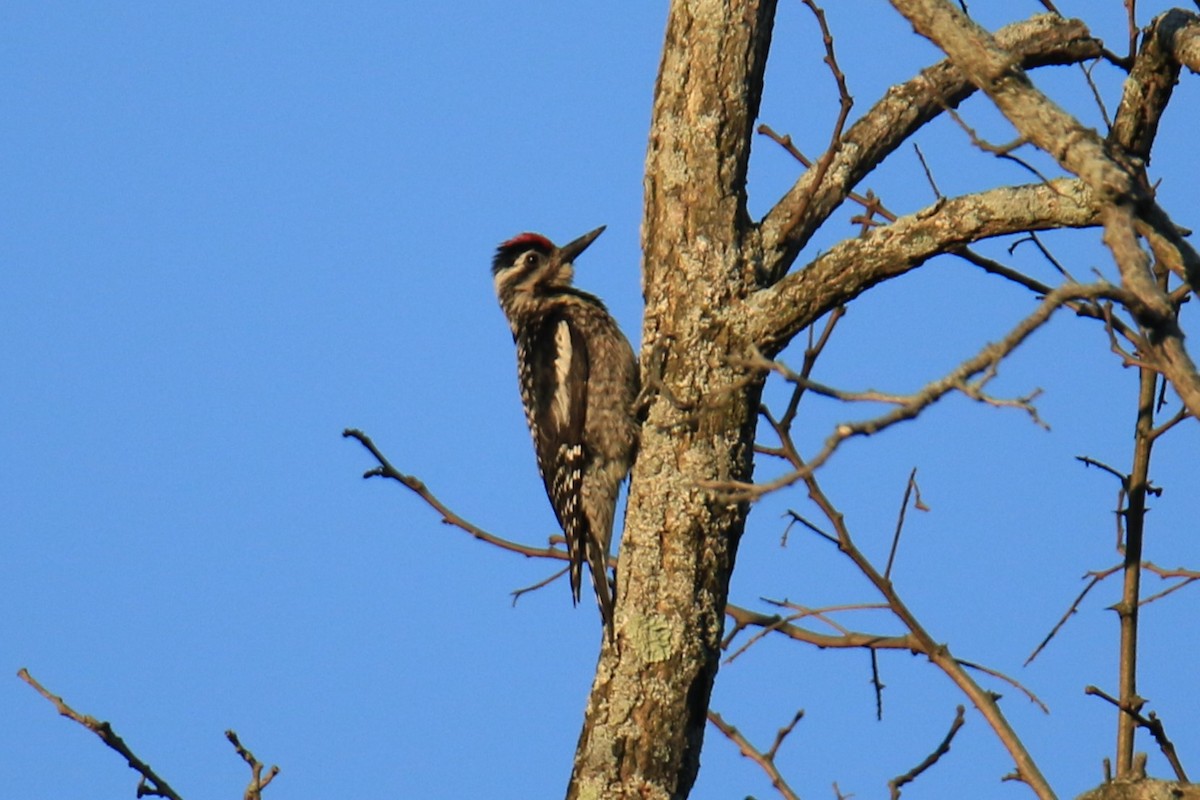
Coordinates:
x,y
150,783
765,759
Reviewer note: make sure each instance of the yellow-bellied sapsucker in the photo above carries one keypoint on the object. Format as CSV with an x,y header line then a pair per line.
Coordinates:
x,y
578,381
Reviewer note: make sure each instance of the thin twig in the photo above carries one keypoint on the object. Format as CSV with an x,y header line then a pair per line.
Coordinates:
x,y
869,201
1132,26
1179,417
1083,308
994,267
908,490
418,487
1096,577
744,618
1004,151
517,593
967,378
877,684
801,612
811,526
1045,251
151,785
1169,590
784,732
918,640
943,747
1087,74
764,760
1186,576
257,781
1013,682
937,193
811,354
846,102
1091,462
1151,723
1129,607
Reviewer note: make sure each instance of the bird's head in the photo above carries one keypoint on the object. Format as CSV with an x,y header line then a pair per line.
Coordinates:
x,y
530,264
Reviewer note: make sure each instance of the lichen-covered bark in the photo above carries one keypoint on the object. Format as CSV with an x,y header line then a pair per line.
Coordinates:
x,y
646,714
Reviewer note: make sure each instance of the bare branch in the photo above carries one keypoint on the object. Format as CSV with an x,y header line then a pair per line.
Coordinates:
x,y
1087,76
151,785
1117,184
414,484
943,747
922,642
518,593
812,527
1132,26
855,265
1086,308
992,68
257,781
764,760
1011,681
891,121
811,354
1168,591
869,201
1151,81
968,378
846,103
909,487
1178,572
1151,723
937,193
1004,151
877,684
1128,609
1070,612
1037,242
993,267
1091,462
745,618
784,732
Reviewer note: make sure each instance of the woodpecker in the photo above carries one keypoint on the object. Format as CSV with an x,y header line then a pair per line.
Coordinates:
x,y
578,381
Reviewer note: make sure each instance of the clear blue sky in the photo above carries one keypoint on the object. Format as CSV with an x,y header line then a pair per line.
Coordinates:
x,y
231,230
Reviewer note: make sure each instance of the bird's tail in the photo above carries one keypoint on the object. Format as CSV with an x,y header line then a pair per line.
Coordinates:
x,y
575,559
598,564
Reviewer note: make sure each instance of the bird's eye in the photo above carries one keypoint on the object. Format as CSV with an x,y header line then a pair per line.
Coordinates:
x,y
531,259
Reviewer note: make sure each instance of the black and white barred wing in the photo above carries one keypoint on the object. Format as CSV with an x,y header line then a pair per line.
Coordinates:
x,y
557,383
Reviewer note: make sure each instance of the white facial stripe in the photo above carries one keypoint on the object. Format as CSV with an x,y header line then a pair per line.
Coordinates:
x,y
562,369
516,277
502,279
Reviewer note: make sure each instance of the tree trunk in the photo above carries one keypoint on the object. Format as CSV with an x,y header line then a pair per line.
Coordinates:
x,y
646,715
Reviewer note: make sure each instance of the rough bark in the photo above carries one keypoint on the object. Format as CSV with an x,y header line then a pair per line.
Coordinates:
x,y
646,714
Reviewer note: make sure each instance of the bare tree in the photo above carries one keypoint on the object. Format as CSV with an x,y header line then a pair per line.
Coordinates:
x,y
727,294
724,296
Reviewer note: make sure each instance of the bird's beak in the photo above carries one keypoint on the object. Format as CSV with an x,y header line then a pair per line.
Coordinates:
x,y
568,252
